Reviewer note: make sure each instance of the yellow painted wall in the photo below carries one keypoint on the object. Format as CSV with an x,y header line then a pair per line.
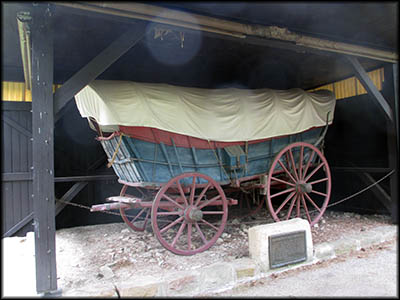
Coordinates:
x,y
351,87
16,91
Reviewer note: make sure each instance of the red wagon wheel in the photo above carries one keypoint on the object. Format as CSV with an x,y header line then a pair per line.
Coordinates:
x,y
304,186
135,218
185,218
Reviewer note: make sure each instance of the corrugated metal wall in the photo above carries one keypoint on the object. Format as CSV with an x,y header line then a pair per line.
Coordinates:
x,y
16,91
351,87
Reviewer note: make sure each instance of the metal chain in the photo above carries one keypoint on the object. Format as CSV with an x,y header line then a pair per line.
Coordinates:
x,y
363,190
250,222
87,207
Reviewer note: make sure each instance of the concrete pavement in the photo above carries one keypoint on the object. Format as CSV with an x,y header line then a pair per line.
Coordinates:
x,y
374,274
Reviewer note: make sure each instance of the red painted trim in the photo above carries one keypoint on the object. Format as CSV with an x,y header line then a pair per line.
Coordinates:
x,y
155,135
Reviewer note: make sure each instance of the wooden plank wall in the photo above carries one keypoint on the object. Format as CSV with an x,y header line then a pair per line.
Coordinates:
x,y
16,166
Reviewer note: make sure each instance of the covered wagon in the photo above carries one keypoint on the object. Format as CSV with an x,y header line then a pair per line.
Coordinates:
x,y
178,150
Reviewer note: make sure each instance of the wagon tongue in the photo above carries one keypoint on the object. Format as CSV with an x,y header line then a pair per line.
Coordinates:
x,y
118,202
124,199
108,206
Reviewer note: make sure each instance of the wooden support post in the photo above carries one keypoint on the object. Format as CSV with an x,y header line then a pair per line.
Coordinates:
x,y
394,145
391,90
43,150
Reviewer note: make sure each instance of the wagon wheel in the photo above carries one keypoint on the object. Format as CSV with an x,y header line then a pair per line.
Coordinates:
x,y
135,218
305,184
196,220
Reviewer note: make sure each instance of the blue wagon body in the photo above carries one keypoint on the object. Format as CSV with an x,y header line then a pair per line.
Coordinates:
x,y
148,163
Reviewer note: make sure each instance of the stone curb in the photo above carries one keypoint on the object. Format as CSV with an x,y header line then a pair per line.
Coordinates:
x,y
223,276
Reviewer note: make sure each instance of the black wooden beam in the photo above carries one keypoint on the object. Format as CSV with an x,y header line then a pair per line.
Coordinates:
x,y
98,163
16,105
95,67
18,226
43,150
69,195
86,178
391,89
16,126
16,176
367,83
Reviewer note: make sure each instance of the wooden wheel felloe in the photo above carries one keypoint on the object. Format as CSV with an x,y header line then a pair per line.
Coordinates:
x,y
185,218
299,183
135,218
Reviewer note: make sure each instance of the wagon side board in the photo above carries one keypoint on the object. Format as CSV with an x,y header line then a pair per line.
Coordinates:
x,y
135,160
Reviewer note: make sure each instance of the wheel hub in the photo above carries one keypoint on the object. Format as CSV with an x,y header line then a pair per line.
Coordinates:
x,y
304,187
193,214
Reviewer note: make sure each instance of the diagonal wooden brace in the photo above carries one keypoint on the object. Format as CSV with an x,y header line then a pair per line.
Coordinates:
x,y
369,85
95,67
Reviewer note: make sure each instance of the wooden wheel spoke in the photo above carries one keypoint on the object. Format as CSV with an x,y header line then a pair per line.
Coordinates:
x,y
201,233
219,212
165,228
202,194
286,171
319,180
308,163
284,202
293,164
291,207
209,224
179,233
192,190
298,206
181,192
282,181
209,201
169,213
306,208
172,201
283,192
313,172
138,215
301,161
319,193
189,236
312,202
146,218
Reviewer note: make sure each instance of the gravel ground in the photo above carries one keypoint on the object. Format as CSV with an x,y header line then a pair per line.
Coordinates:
x,y
88,257
92,255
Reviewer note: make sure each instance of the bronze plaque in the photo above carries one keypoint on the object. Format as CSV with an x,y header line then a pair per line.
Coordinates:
x,y
287,248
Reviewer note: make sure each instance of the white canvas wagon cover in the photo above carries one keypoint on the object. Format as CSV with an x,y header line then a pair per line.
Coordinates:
x,y
227,114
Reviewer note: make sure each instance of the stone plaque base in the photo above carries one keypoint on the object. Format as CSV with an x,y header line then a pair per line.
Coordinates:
x,y
278,244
